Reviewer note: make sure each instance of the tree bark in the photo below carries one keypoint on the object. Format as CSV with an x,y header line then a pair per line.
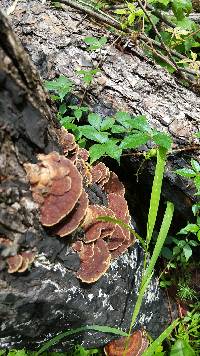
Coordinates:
x,y
48,298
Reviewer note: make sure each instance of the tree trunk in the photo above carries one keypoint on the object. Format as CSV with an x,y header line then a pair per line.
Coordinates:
x,y
47,298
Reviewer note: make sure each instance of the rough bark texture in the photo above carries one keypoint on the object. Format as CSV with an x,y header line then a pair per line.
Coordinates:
x,y
128,81
48,298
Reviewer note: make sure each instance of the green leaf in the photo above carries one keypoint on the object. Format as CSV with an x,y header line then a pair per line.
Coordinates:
x,y
95,120
153,347
92,134
78,113
90,40
107,123
61,86
59,337
186,172
197,134
181,7
96,151
123,118
17,353
195,165
197,182
62,109
140,123
187,251
121,12
162,139
133,141
193,228
166,253
113,150
118,129
181,348
198,235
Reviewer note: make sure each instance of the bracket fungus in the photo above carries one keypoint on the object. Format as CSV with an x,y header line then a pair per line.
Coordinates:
x,y
95,260
57,185
20,262
136,345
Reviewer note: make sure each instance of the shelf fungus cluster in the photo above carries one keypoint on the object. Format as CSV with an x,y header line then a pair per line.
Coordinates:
x,y
19,262
57,184
135,346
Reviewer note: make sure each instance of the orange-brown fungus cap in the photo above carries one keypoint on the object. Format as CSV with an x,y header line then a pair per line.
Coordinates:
x,y
114,185
29,255
137,344
14,263
67,140
73,220
96,229
57,186
24,266
92,268
83,153
117,239
118,205
84,251
99,171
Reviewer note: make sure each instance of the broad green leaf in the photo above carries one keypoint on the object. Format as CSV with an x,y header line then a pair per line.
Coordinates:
x,y
95,120
187,251
107,123
166,253
62,109
92,134
123,118
17,353
181,348
131,19
140,123
61,86
162,139
197,182
186,24
195,165
103,40
90,40
118,129
189,228
113,150
186,172
197,134
96,151
181,7
198,235
78,113
133,141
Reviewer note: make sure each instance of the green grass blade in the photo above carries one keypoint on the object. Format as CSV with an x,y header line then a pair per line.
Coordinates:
x,y
126,226
153,347
149,272
156,192
59,337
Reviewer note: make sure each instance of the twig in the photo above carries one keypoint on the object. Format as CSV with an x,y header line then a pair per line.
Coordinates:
x,y
116,24
160,38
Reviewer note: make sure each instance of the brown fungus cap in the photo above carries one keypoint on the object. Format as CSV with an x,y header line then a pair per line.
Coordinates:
x,y
92,268
113,185
67,140
97,229
84,251
117,239
14,263
24,266
73,219
83,154
118,205
137,344
99,171
57,188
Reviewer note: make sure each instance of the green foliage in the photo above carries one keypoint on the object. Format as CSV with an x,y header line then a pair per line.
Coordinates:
x,y
94,43
88,75
61,86
182,348
192,173
185,292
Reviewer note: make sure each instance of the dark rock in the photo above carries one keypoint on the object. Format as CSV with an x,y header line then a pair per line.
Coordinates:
x,y
49,299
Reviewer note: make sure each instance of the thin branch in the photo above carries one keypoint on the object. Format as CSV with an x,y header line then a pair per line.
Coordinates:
x,y
117,25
